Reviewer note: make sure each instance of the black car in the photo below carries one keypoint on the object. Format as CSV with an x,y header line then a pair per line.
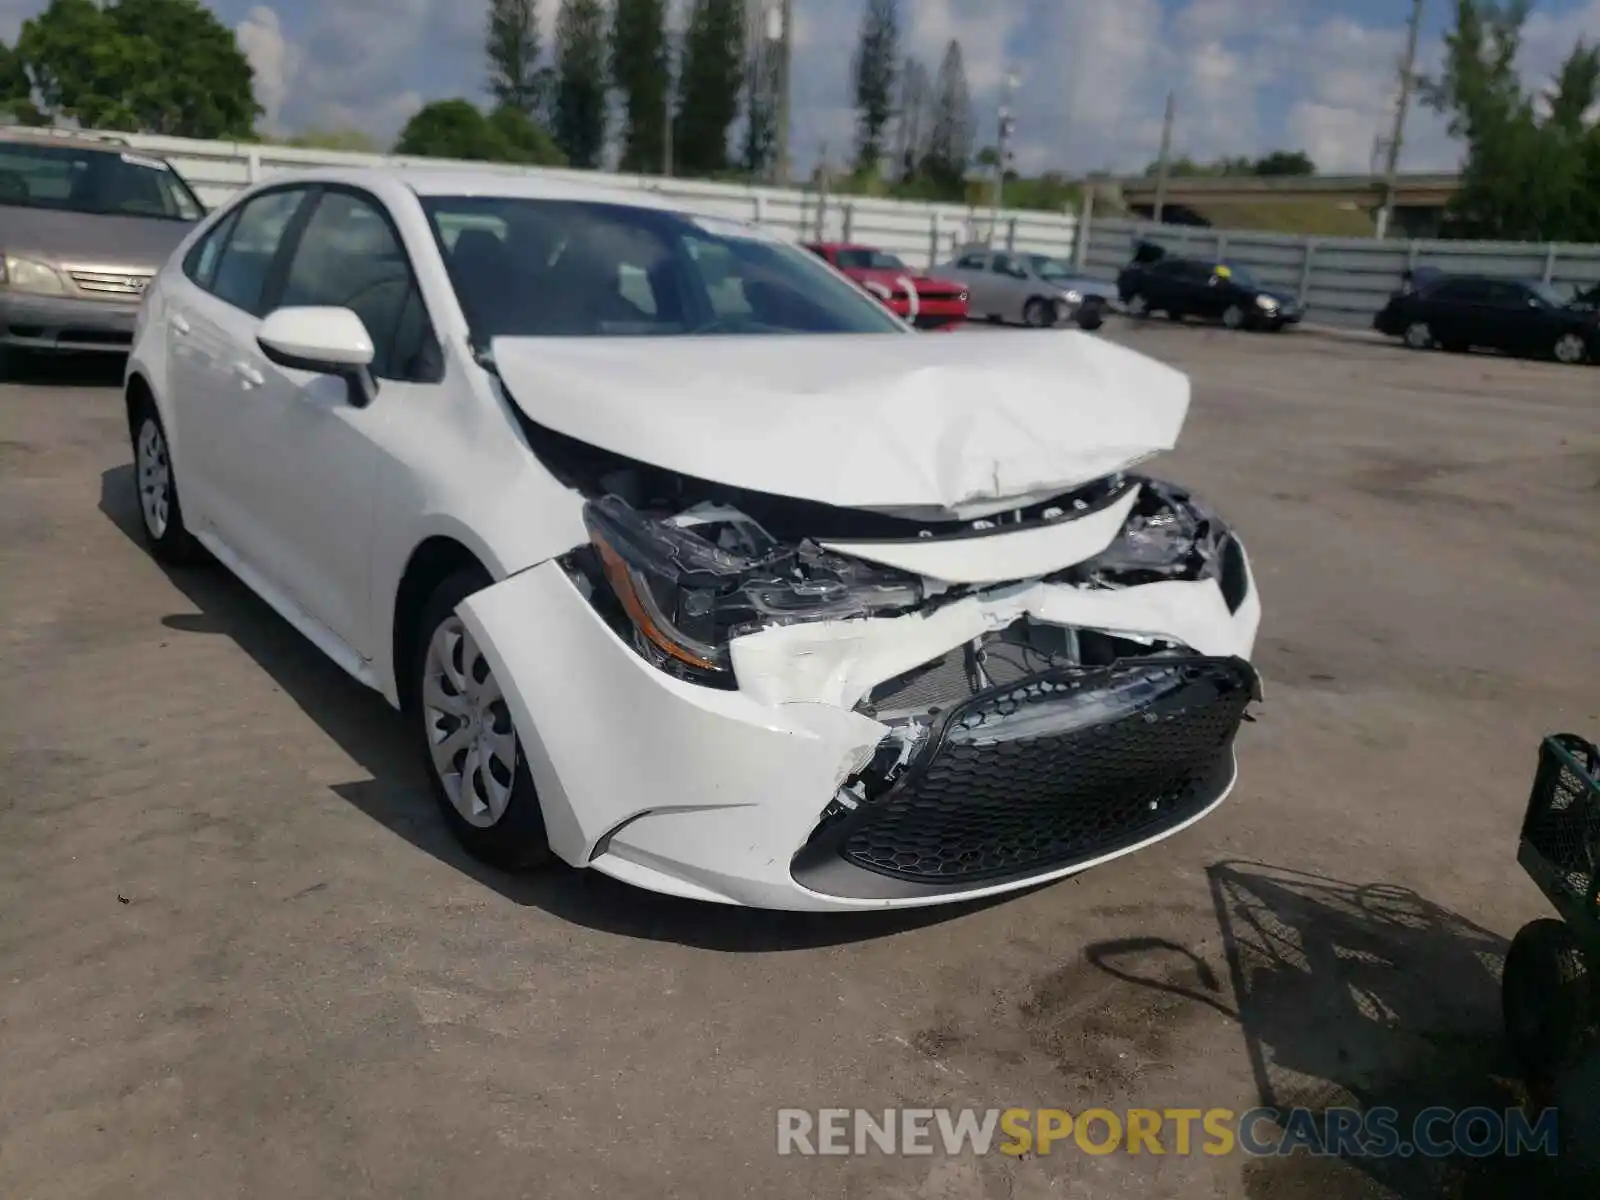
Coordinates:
x,y
1461,312
1197,287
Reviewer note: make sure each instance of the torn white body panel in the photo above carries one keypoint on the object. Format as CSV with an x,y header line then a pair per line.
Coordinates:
x,y
839,662
926,426
1024,554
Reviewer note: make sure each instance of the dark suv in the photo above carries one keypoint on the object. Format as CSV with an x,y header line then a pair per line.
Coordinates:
x,y
1463,311
1197,287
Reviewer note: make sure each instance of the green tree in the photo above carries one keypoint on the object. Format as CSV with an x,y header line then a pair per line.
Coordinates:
x,y
148,66
513,49
713,74
761,82
16,90
877,57
950,133
911,120
578,108
1532,170
639,71
458,129
1284,162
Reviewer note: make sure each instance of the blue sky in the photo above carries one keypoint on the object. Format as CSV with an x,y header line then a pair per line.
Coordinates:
x,y
1249,74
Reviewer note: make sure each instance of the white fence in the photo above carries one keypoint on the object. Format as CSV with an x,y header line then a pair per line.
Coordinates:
x,y
922,234
1340,281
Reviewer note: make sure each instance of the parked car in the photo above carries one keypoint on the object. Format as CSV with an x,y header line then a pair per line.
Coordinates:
x,y
85,223
1027,289
926,301
1464,311
684,560
1196,287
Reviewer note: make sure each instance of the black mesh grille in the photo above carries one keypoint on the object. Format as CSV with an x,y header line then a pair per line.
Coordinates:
x,y
1061,768
1563,822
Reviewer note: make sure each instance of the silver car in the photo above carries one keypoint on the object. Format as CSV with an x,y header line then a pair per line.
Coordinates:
x,y
85,223
1028,289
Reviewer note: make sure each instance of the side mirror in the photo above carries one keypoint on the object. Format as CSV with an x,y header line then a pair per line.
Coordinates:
x,y
328,341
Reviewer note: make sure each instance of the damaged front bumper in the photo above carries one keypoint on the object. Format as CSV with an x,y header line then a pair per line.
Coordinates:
x,y
777,794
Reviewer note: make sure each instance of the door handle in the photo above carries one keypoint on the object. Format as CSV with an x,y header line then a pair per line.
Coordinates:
x,y
250,376
179,325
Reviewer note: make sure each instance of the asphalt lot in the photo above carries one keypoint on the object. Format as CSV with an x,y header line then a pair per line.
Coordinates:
x,y
241,957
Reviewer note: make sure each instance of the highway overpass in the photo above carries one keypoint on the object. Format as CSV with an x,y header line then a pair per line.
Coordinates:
x,y
1348,203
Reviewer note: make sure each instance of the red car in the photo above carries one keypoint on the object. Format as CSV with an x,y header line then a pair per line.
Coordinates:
x,y
926,302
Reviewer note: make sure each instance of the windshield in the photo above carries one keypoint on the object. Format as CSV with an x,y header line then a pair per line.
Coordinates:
x,y
561,268
100,182
868,260
1046,267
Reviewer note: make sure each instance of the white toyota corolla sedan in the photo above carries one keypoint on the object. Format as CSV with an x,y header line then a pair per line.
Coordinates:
x,y
682,558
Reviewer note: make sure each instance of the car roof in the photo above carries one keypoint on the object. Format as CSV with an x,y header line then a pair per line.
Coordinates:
x,y
73,139
465,181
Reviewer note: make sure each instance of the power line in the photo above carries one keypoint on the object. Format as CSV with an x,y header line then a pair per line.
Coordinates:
x,y
1163,159
1408,69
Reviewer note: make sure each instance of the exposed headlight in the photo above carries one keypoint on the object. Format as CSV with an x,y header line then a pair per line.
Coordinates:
x,y
689,584
30,275
1072,296
1169,535
1266,303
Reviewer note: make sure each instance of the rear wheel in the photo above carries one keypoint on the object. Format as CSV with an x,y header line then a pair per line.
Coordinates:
x,y
1547,996
1039,313
470,747
1570,349
1418,336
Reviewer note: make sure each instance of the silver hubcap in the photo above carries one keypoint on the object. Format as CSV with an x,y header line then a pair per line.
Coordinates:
x,y
155,478
469,727
1419,336
1137,306
1569,349
1233,317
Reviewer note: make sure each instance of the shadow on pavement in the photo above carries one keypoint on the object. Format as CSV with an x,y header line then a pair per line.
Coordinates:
x,y
397,794
1360,997
62,370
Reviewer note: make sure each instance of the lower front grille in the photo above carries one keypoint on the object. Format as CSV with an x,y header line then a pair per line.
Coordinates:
x,y
1055,770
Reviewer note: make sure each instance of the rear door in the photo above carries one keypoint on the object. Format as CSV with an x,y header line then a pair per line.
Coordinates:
x,y
1515,320
1456,313
1008,276
973,270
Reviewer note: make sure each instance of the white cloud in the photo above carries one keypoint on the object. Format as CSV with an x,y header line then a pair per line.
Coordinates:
x,y
273,60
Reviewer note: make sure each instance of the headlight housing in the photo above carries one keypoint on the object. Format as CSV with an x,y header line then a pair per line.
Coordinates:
x,y
1169,535
687,585
29,275
1072,296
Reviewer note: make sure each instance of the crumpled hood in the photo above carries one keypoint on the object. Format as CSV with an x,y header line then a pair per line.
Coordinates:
x,y
950,426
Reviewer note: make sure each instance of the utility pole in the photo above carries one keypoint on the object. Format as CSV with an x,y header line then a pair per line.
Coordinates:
x,y
1007,125
1408,70
785,87
670,96
1164,157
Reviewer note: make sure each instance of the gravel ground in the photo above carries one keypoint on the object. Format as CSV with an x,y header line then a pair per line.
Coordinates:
x,y
242,958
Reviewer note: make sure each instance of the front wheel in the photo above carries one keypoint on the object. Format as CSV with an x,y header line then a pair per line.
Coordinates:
x,y
1138,307
1571,349
1233,317
1547,996
160,512
470,747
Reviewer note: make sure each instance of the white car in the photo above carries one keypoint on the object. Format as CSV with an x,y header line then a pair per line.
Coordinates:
x,y
686,561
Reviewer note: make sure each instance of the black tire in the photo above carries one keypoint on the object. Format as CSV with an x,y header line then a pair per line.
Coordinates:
x,y
1175,315
1039,313
1235,317
1090,316
1138,306
1573,347
1547,996
517,840
170,541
